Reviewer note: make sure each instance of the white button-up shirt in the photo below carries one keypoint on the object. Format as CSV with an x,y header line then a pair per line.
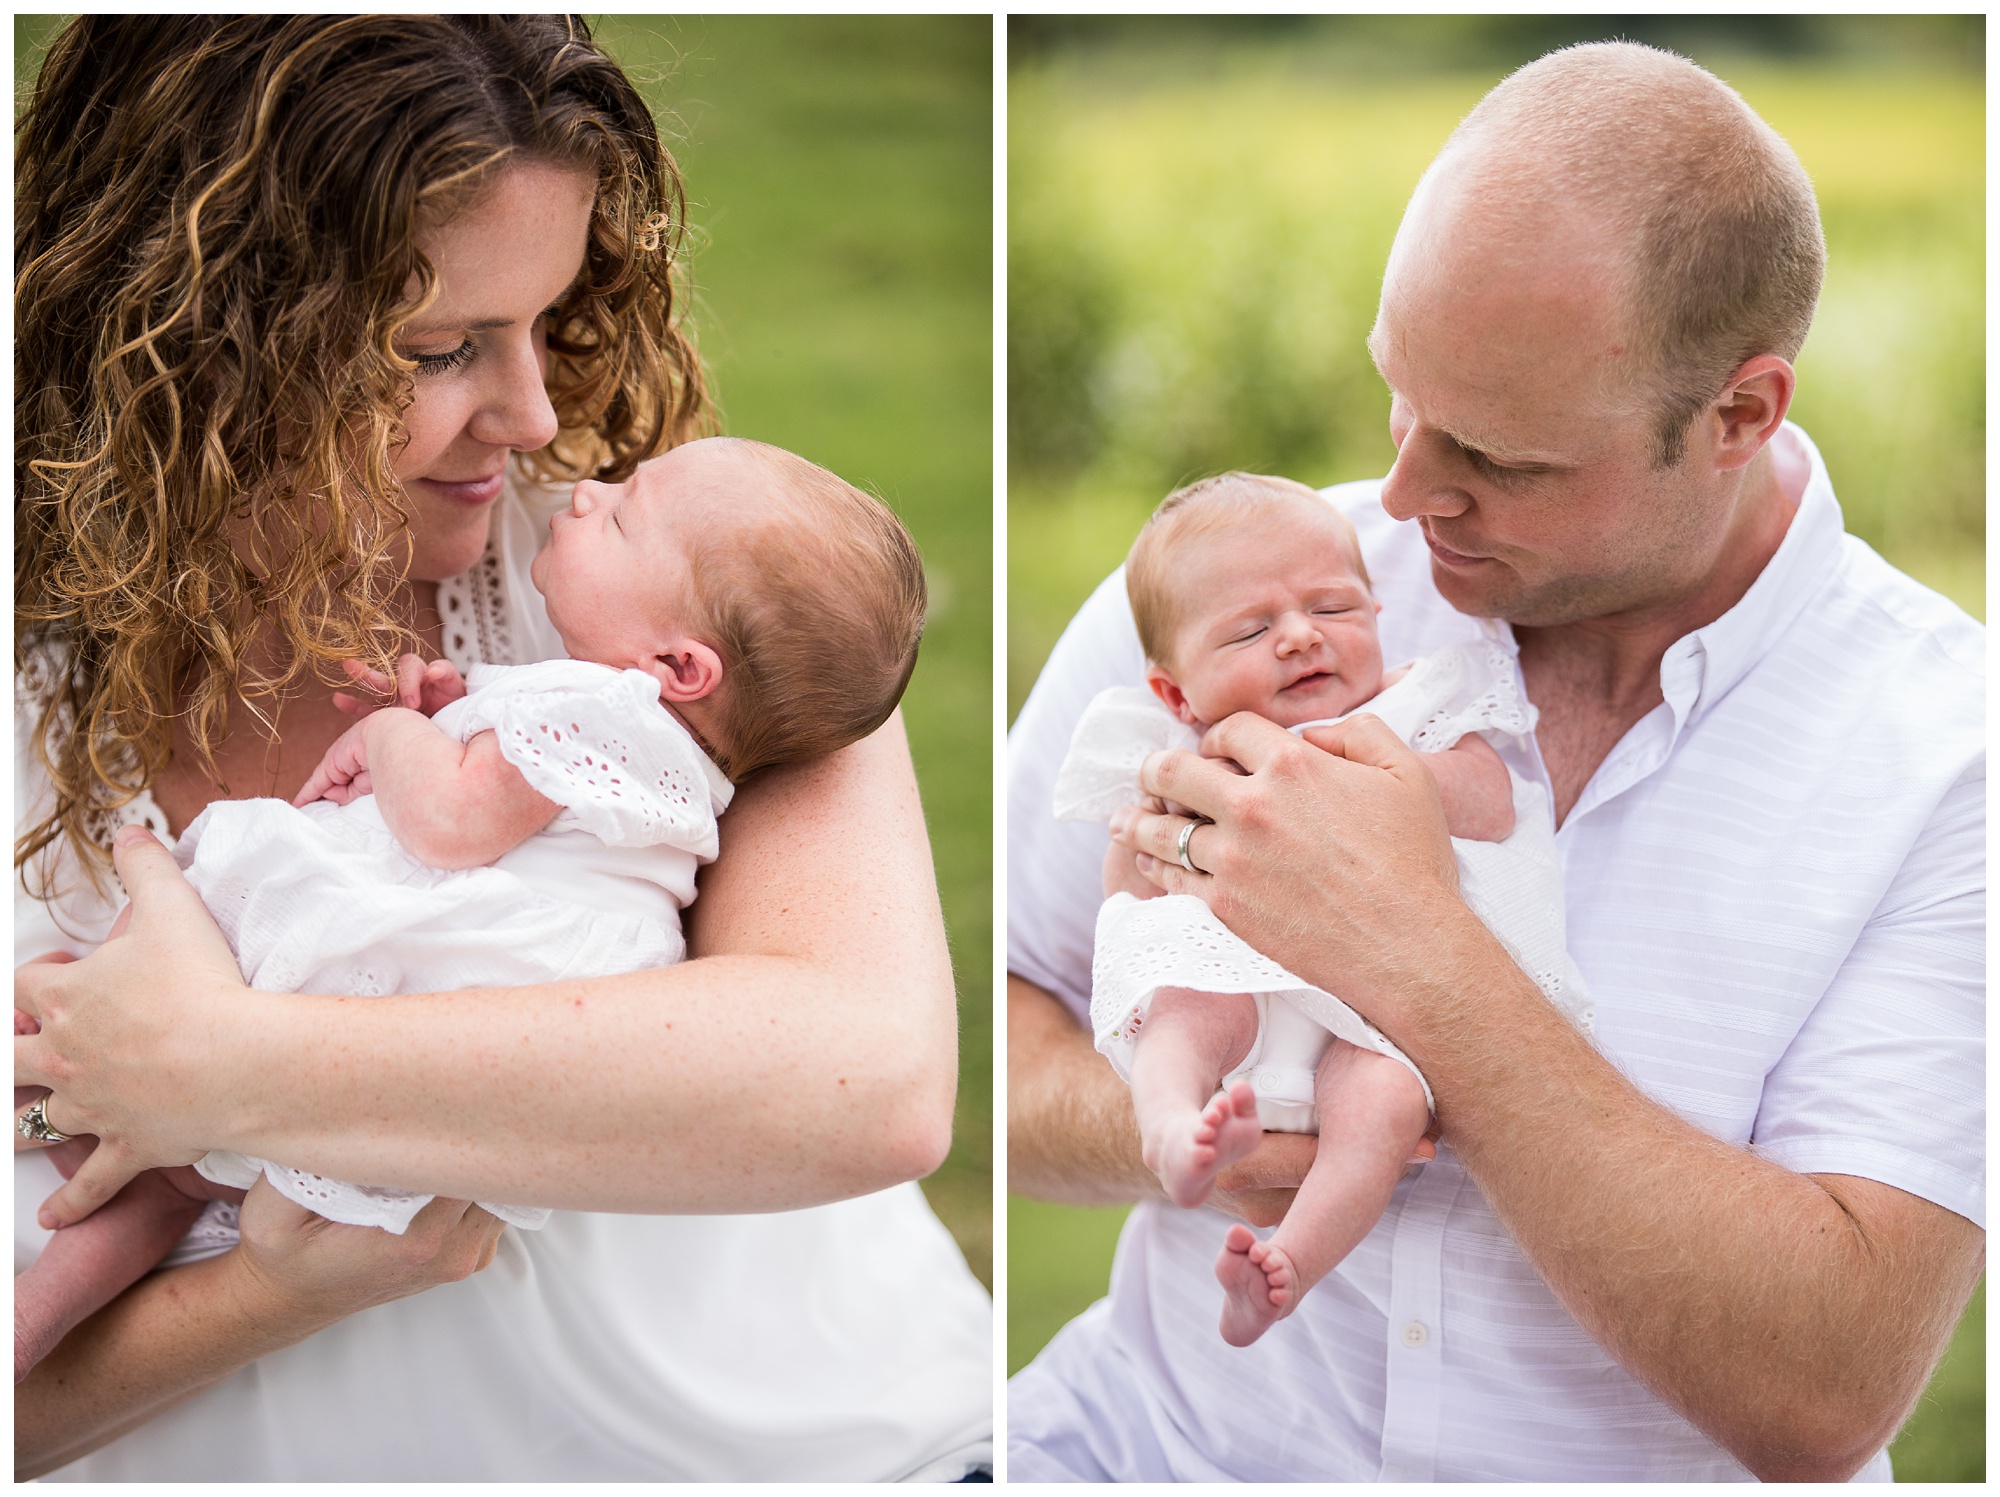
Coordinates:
x,y
1775,890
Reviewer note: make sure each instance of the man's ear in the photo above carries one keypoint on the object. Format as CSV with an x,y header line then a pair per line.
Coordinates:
x,y
1165,689
687,672
1750,410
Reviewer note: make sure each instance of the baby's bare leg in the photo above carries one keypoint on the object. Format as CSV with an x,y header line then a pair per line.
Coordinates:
x,y
1188,1133
1372,1116
86,1266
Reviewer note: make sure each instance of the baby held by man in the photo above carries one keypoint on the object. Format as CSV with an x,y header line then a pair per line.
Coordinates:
x,y
729,608
1250,595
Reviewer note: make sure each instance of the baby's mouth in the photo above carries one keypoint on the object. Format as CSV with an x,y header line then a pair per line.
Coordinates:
x,y
1308,681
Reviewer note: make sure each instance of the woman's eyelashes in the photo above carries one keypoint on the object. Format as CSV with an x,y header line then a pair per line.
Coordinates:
x,y
444,363
459,357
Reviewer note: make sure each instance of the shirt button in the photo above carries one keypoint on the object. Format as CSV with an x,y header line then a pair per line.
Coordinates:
x,y
1414,1334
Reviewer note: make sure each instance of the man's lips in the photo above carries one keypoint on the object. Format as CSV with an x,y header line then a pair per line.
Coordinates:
x,y
1450,556
467,491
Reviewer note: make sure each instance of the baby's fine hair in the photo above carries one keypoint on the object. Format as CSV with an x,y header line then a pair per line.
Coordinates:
x,y
1188,514
816,608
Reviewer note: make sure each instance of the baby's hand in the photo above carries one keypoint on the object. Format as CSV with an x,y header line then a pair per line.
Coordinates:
x,y
342,775
1122,875
422,687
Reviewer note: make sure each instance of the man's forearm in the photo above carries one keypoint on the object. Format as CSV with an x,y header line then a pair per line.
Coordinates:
x,y
1775,1310
163,1340
1070,1132
1071,1136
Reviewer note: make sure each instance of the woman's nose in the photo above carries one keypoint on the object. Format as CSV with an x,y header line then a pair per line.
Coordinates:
x,y
1424,480
515,411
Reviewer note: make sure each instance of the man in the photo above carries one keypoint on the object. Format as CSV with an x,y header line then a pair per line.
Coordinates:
x,y
1729,1237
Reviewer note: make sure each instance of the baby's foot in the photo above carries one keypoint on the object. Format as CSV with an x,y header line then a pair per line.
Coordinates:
x,y
1259,1286
1224,1132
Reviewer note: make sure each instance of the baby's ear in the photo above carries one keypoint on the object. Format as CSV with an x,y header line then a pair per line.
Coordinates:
x,y
688,672
1170,694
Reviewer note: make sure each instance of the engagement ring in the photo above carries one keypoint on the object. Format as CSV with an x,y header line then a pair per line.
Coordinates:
x,y
34,1125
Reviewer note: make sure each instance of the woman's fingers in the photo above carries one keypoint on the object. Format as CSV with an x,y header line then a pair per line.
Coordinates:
x,y
100,1177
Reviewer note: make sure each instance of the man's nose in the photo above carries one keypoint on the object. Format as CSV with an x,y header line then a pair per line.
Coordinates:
x,y
1425,478
514,409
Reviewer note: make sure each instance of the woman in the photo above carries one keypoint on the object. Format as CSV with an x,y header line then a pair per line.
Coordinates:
x,y
293,293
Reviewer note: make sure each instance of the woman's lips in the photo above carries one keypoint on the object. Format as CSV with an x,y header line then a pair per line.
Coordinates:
x,y
473,491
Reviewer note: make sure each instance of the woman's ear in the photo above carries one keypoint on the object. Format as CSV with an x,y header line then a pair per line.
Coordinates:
x,y
688,672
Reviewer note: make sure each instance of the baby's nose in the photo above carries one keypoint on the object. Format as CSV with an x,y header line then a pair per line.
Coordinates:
x,y
583,498
1295,632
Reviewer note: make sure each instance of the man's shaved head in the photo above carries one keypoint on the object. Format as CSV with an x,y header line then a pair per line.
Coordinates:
x,y
1696,205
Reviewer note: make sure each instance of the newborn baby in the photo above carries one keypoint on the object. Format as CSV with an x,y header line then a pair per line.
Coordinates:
x,y
547,822
1250,595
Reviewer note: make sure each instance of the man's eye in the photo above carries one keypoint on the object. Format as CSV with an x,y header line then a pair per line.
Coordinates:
x,y
441,363
1498,471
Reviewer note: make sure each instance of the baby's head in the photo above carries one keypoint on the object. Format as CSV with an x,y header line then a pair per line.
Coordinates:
x,y
1250,596
777,606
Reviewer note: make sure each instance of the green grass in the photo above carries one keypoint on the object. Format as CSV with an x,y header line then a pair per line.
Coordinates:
x,y
1196,239
839,180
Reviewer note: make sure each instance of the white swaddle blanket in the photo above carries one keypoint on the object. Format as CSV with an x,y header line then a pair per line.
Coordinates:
x,y
1175,940
323,899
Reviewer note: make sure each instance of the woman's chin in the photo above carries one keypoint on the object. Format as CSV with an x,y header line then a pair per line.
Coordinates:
x,y
437,557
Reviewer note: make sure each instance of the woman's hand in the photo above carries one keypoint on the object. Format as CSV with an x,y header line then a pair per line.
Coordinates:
x,y
305,1270
423,687
1330,855
117,1028
174,1333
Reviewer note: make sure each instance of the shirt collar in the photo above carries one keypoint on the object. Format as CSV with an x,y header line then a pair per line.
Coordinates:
x,y
1701,668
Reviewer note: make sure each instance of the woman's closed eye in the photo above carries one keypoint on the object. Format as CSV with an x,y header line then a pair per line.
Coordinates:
x,y
444,363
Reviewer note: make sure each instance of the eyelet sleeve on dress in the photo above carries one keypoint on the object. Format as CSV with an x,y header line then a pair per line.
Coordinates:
x,y
599,742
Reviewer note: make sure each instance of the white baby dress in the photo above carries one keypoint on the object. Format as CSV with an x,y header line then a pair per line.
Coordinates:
x,y
323,899
1175,940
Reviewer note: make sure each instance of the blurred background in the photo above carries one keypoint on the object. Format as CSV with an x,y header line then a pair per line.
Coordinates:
x,y
1199,209
839,178
839,174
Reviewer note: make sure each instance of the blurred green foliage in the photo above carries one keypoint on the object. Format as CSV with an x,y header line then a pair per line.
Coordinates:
x,y
1199,214
1199,209
840,184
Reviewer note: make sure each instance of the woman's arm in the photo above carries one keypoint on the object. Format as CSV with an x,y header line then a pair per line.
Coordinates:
x,y
176,1332
808,1055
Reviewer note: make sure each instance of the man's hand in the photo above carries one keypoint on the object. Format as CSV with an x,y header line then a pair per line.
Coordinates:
x,y
420,686
1329,855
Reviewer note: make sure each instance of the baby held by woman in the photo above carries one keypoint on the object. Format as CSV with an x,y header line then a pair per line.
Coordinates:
x,y
729,608
1250,595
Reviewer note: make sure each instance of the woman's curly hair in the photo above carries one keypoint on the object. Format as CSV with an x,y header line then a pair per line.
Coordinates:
x,y
216,227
